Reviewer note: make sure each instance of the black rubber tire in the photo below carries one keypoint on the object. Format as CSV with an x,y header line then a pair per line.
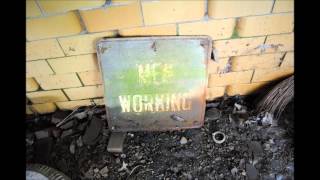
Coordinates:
x,y
50,173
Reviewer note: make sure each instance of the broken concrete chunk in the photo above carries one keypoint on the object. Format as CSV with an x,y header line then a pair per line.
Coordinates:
x,y
252,172
92,132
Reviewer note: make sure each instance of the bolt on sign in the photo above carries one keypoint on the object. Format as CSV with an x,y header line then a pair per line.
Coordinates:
x,y
154,83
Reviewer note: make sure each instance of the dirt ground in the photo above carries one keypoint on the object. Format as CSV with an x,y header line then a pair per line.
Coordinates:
x,y
256,147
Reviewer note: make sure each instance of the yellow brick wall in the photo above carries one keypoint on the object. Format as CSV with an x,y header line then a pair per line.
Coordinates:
x,y
253,43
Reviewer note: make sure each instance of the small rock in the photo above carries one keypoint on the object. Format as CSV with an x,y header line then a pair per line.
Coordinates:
x,y
66,133
252,172
89,174
267,119
41,134
95,170
244,173
117,160
80,115
104,171
183,140
79,142
267,147
72,148
238,106
58,116
234,171
124,166
175,170
213,114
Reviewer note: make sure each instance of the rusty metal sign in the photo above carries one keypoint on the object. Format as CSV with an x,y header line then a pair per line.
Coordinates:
x,y
154,83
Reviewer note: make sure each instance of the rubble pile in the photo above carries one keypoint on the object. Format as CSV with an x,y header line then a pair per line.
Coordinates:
x,y
234,143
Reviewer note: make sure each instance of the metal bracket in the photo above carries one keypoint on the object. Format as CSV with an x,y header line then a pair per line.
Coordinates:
x,y
116,140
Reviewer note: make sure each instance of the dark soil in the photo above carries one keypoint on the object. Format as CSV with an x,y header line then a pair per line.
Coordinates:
x,y
252,149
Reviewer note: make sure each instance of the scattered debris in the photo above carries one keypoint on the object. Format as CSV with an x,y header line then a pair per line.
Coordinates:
x,y
252,150
218,137
183,140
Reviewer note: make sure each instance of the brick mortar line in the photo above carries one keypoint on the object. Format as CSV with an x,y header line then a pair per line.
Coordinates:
x,y
282,59
82,24
79,79
62,57
83,86
254,70
44,15
141,12
206,5
273,4
41,10
54,73
61,47
265,39
255,54
177,34
69,99
254,15
152,25
177,29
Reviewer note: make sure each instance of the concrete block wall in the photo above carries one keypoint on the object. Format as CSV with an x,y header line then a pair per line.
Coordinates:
x,y
253,43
